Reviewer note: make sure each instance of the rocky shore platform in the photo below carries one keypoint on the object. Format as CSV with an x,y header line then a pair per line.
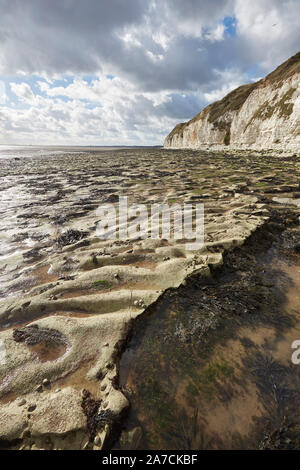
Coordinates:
x,y
71,301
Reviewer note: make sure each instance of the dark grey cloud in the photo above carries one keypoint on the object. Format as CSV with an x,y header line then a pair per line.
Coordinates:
x,y
64,36
71,36
61,36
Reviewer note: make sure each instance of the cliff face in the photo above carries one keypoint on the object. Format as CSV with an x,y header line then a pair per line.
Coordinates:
x,y
265,114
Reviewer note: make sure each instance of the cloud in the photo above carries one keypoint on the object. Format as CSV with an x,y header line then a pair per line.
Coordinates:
x,y
126,72
102,111
23,91
216,34
3,96
270,29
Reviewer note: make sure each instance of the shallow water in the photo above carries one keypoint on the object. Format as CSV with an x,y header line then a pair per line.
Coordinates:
x,y
227,387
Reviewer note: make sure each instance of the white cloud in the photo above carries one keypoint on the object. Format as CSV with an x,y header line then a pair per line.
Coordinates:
x,y
270,28
154,57
103,111
229,79
162,39
130,40
218,94
22,90
216,34
25,94
3,96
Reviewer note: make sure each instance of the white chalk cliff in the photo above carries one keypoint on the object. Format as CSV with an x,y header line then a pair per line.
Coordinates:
x,y
261,115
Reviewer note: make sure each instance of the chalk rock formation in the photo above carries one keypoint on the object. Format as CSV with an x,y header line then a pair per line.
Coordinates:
x,y
261,115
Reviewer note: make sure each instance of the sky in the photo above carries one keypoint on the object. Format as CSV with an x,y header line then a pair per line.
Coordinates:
x,y
125,72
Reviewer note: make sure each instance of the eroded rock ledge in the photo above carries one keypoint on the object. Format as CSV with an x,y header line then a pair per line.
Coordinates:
x,y
91,327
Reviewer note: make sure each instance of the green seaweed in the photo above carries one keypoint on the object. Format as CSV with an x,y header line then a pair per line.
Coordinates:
x,y
101,284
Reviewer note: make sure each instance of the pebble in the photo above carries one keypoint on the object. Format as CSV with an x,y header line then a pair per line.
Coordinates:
x,y
97,441
85,445
46,382
39,388
31,407
103,387
22,402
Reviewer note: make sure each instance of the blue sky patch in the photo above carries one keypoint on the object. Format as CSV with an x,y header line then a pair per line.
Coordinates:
x,y
230,24
254,72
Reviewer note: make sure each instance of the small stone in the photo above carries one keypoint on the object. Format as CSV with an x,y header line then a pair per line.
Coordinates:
x,y
85,444
31,407
97,441
46,382
103,387
22,402
297,248
57,390
39,388
105,345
